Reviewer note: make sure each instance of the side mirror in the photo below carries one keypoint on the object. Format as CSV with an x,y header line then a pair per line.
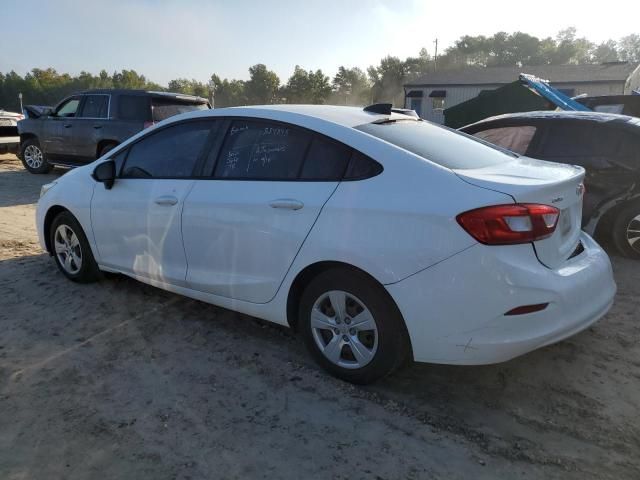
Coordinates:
x,y
105,173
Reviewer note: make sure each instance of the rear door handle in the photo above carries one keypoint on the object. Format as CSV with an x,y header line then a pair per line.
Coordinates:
x,y
97,127
67,125
166,200
286,203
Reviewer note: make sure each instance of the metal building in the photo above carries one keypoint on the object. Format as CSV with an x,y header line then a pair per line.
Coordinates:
x,y
430,94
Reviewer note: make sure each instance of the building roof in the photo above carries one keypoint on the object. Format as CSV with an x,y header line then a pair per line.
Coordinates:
x,y
606,72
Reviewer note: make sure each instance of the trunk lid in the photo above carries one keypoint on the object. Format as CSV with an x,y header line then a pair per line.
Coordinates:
x,y
535,181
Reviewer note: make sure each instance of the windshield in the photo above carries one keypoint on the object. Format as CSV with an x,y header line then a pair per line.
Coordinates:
x,y
440,145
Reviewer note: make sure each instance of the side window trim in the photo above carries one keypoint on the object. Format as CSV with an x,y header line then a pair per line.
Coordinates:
x,y
198,164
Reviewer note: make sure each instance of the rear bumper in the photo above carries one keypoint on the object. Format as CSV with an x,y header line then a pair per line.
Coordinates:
x,y
455,310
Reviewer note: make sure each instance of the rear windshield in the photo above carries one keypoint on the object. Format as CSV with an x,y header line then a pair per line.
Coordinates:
x,y
167,108
441,145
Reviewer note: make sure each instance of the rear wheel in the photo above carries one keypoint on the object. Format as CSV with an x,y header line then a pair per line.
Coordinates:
x,y
71,249
33,158
626,231
352,327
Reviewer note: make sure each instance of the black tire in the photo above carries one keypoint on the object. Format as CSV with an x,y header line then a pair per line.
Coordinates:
x,y
626,231
33,158
393,346
88,269
107,148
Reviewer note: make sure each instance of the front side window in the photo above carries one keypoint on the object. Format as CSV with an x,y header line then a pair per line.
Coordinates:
x,y
95,106
169,153
256,150
68,108
517,138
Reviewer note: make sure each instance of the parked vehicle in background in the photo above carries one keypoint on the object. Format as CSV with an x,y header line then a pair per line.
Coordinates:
x,y
606,145
86,125
9,138
377,235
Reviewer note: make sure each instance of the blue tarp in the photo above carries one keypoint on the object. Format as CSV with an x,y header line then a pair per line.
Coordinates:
x,y
555,96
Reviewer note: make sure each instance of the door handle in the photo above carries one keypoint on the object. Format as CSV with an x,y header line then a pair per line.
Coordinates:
x,y
286,203
67,125
166,200
97,127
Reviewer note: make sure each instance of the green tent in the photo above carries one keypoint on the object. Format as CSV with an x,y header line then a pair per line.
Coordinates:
x,y
511,98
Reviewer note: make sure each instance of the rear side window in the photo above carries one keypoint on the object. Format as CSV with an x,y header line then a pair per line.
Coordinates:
x,y
568,139
95,106
262,151
134,107
362,167
438,144
517,138
162,108
170,153
325,160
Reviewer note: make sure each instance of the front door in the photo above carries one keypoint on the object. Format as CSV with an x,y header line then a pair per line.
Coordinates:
x,y
137,224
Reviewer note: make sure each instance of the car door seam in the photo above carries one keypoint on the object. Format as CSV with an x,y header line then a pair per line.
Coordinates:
x,y
184,250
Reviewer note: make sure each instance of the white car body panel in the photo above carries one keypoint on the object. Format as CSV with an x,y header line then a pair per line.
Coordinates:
x,y
240,238
137,227
224,244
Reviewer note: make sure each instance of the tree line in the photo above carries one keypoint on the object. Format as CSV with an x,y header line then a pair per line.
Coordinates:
x,y
349,86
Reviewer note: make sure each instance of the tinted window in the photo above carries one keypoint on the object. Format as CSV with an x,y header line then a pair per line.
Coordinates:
x,y
170,153
119,159
68,109
165,108
95,106
262,150
325,160
438,144
134,107
567,140
362,167
517,139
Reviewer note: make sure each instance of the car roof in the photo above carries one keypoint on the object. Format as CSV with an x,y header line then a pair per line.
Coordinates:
x,y
335,114
551,115
152,93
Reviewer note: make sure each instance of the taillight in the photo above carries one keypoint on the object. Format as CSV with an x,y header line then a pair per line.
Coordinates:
x,y
148,124
510,224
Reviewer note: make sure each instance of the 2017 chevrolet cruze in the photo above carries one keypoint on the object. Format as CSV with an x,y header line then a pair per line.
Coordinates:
x,y
379,236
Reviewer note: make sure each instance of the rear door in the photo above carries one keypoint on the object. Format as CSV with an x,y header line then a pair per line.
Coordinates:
x,y
91,120
137,224
244,225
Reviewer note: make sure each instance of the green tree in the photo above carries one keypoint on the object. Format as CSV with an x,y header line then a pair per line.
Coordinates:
x,y
629,48
351,87
605,52
227,93
306,87
388,79
262,86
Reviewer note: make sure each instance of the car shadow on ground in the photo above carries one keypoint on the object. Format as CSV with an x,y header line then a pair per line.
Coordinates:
x,y
19,187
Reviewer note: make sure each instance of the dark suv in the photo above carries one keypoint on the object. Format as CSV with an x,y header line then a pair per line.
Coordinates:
x,y
86,125
606,145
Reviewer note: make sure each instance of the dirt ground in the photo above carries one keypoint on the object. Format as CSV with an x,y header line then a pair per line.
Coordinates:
x,y
120,380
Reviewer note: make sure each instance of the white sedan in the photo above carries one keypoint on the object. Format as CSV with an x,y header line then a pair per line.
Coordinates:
x,y
378,236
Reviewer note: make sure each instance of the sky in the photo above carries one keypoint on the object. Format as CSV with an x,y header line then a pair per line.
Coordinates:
x,y
165,39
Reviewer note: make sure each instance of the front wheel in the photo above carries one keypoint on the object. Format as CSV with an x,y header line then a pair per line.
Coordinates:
x,y
33,158
71,249
626,231
352,327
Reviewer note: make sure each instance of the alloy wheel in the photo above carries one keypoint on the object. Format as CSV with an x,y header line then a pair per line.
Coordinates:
x,y
33,156
344,329
633,233
67,248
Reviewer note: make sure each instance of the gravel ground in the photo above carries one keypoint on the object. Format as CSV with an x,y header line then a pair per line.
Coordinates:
x,y
121,380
